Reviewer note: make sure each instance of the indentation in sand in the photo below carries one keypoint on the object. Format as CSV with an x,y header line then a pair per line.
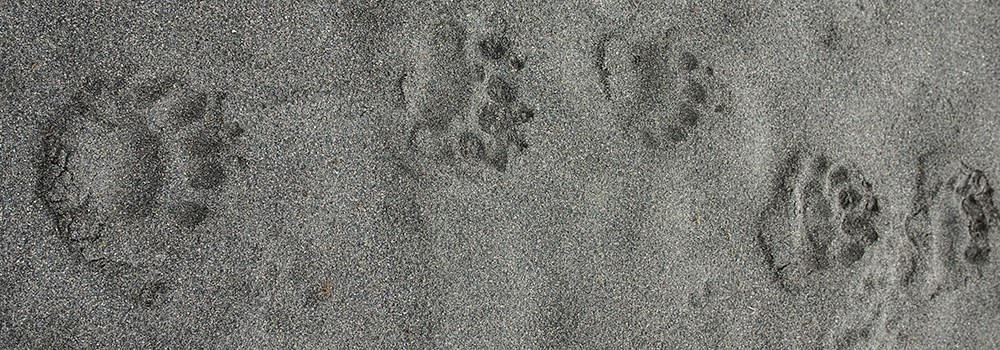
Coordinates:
x,y
130,166
464,95
660,88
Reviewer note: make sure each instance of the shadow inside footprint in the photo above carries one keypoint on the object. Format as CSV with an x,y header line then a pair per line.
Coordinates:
x,y
498,160
688,61
207,171
188,108
501,91
494,47
696,92
189,214
471,146
207,175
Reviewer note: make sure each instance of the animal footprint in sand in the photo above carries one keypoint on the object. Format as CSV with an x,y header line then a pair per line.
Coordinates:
x,y
950,228
659,87
834,219
462,90
980,215
129,167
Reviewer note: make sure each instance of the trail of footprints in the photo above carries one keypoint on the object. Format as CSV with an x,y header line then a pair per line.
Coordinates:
x,y
836,217
129,168
658,86
127,161
826,218
463,89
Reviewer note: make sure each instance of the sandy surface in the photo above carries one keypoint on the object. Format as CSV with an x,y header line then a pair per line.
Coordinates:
x,y
602,174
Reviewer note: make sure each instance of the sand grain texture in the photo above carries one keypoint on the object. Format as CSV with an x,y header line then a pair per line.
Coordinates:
x,y
451,174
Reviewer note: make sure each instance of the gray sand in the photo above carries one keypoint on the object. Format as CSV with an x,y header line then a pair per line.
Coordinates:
x,y
602,174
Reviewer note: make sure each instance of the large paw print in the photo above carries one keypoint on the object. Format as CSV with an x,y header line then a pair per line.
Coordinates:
x,y
981,216
659,87
463,91
950,230
128,167
833,218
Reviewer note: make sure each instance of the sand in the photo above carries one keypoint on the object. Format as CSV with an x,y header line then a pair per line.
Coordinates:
x,y
593,174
